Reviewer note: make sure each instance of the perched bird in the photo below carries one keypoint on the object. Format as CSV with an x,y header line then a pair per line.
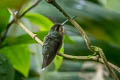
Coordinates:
x,y
52,43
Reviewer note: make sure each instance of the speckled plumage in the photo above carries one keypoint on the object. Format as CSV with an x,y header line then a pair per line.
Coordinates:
x,y
52,44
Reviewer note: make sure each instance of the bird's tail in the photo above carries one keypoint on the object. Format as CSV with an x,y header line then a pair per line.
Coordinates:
x,y
44,64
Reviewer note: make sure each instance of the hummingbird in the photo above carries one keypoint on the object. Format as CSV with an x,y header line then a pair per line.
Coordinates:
x,y
52,43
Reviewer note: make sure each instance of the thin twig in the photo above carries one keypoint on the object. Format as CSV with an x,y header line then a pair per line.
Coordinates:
x,y
34,36
108,67
33,5
85,58
101,53
79,28
114,67
81,31
2,38
81,58
85,37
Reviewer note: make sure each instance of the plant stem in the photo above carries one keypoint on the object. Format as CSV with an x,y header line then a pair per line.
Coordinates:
x,y
73,22
85,58
2,38
85,37
34,36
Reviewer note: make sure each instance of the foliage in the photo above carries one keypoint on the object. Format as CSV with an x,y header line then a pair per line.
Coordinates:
x,y
4,18
14,4
6,69
101,22
19,57
39,20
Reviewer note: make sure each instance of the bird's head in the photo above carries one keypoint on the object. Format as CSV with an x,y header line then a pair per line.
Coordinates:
x,y
58,28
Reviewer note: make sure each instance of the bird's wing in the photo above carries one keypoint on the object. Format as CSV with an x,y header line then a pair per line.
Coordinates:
x,y
50,50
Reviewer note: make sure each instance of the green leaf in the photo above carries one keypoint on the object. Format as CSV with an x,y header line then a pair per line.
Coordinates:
x,y
58,59
4,18
105,26
79,47
6,70
67,39
24,39
19,57
39,20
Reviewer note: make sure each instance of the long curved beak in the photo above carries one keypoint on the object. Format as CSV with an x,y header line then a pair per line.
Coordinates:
x,y
67,20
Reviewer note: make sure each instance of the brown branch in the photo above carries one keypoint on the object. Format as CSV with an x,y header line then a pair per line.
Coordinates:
x,y
79,28
2,38
91,58
85,58
81,58
33,5
101,53
85,37
34,36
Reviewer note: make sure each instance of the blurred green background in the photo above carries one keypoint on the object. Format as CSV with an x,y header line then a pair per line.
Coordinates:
x,y
99,18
